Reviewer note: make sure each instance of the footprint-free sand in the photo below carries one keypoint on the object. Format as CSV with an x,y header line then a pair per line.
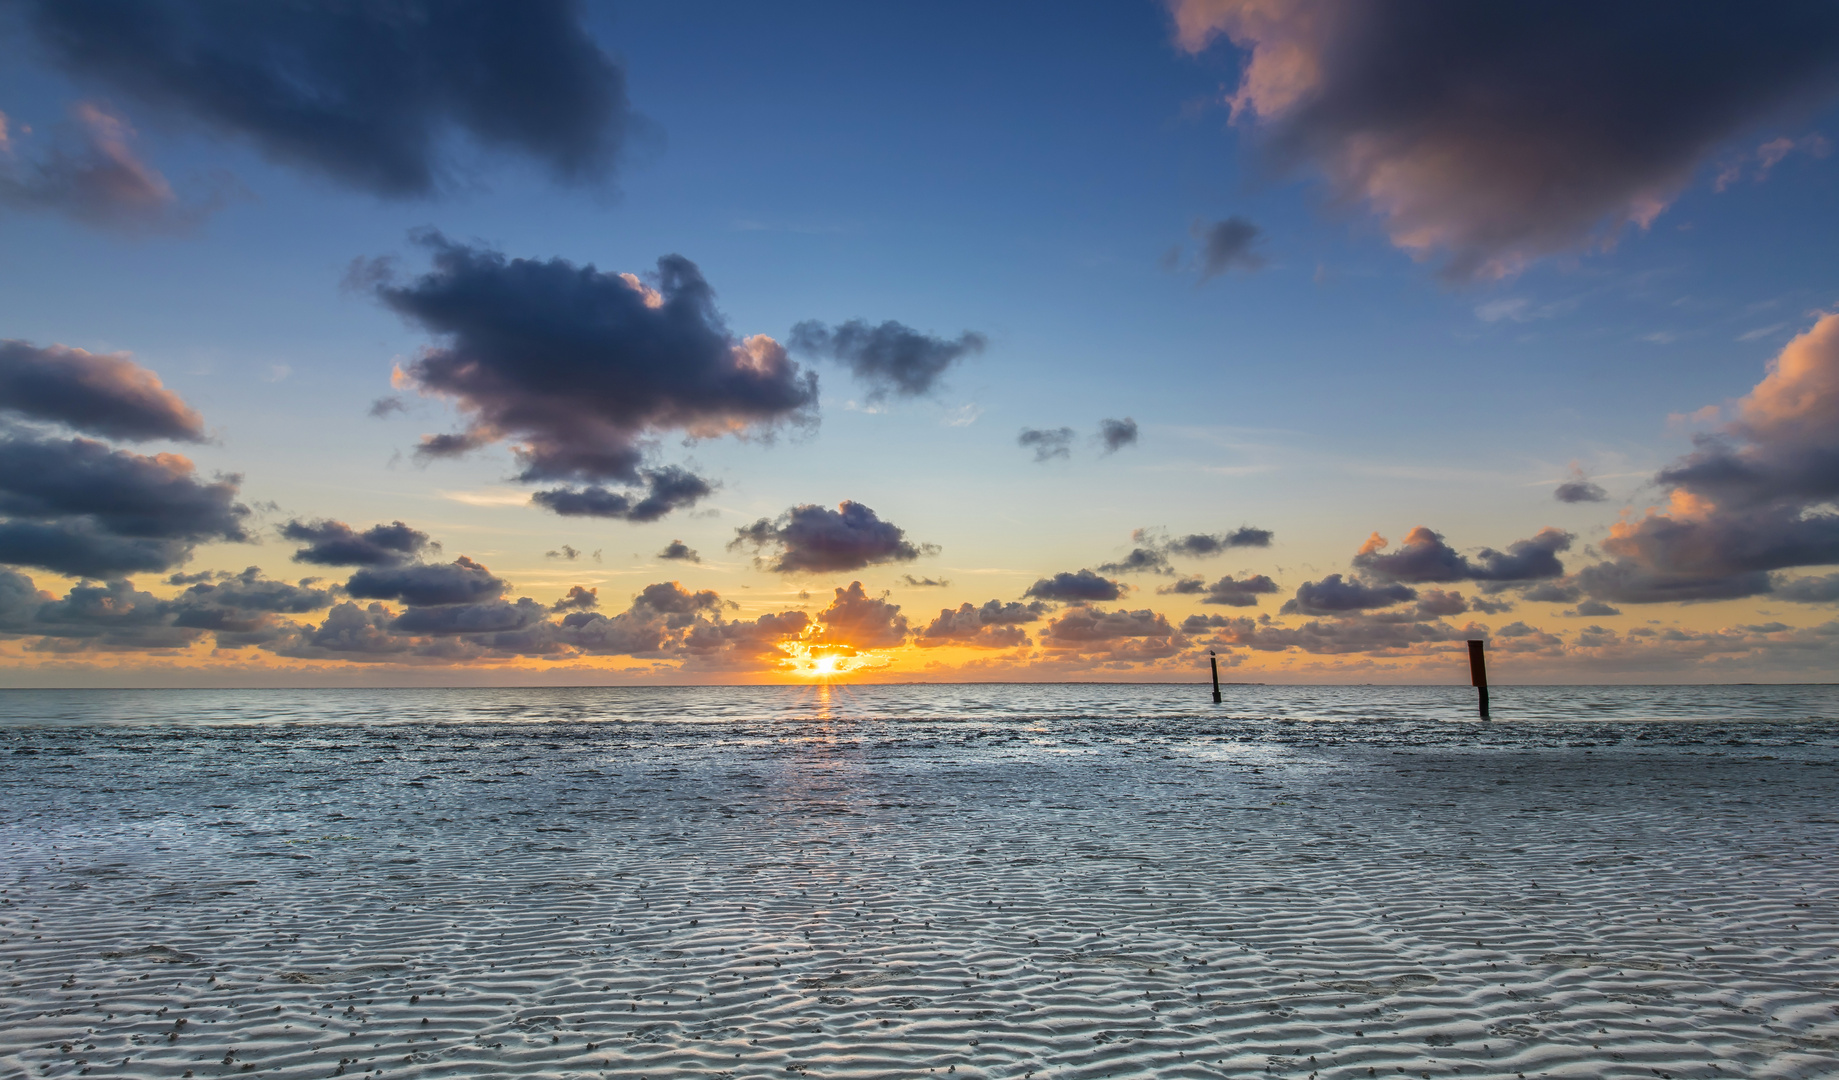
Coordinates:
x,y
835,898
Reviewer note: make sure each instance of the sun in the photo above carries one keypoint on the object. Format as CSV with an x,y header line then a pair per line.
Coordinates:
x,y
824,665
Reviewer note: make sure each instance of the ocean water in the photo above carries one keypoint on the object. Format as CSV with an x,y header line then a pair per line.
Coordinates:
x,y
1378,712
1088,882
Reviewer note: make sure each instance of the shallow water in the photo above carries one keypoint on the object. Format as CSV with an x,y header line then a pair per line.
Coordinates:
x,y
985,881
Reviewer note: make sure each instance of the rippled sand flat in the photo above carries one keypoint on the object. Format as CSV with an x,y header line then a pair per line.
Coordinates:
x,y
830,897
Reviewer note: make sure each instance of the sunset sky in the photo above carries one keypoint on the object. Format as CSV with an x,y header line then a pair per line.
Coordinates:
x,y
552,343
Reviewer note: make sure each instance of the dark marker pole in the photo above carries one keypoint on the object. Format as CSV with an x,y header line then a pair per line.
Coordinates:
x,y
1214,659
1478,674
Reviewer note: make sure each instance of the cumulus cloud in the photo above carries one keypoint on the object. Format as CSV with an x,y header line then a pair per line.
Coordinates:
x,y
1227,245
1075,588
1139,561
855,620
1121,637
1347,634
365,94
580,370
1593,609
681,551
1753,498
1334,595
461,581
1425,557
578,598
1809,590
995,625
91,174
334,543
924,583
238,609
813,539
666,489
1114,435
1445,120
1203,545
80,507
103,394
889,358
1047,443
1234,592
1579,489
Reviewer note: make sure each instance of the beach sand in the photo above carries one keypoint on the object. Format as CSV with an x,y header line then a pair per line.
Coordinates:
x,y
884,900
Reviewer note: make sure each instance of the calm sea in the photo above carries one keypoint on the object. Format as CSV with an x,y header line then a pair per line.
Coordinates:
x,y
1350,710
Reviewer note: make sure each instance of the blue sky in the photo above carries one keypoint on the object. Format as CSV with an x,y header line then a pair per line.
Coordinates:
x,y
1036,175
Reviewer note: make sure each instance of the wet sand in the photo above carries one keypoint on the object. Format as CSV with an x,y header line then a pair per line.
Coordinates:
x,y
1096,899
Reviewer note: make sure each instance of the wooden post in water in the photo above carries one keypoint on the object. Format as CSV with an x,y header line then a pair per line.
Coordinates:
x,y
1478,674
1214,659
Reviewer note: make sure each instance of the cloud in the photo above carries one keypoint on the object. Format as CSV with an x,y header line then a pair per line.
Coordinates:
x,y
995,625
890,358
1425,557
1445,120
1139,561
567,553
666,489
365,94
92,175
1047,443
677,549
239,609
334,543
99,393
1347,634
581,369
814,539
1227,245
1754,497
856,620
461,581
1593,609
1809,590
1113,636
1239,592
1334,596
1075,588
918,583
578,598
1117,434
79,507
1579,489
1203,545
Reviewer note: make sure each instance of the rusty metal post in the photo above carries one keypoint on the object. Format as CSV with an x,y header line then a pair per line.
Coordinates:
x,y
1478,674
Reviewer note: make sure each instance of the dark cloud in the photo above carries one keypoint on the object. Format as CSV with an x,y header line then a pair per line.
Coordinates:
x,y
334,543
1201,545
81,508
1139,561
1227,245
1755,497
90,173
995,625
1446,120
815,539
1334,596
239,609
367,94
890,358
677,549
1114,435
1425,557
1553,592
858,621
673,599
1809,590
1075,588
461,581
666,489
1594,609
1047,443
1236,592
387,404
1580,489
1345,635
578,598
581,369
99,393
927,583
566,552
1113,636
